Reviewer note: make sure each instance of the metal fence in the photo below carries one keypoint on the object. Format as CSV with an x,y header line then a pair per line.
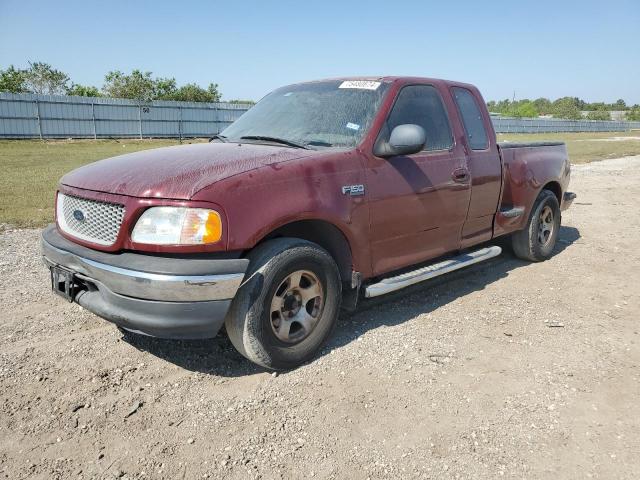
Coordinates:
x,y
48,116
52,116
547,125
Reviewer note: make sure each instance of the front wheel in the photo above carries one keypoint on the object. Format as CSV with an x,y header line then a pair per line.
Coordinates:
x,y
287,305
537,240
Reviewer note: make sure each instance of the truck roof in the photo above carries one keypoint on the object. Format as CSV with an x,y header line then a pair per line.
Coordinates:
x,y
397,78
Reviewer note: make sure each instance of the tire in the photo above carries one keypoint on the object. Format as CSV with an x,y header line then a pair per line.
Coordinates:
x,y
537,240
261,322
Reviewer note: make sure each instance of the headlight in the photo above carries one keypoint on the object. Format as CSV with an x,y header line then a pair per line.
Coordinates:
x,y
178,226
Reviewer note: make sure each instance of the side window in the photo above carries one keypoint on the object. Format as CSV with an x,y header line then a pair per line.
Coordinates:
x,y
471,118
422,105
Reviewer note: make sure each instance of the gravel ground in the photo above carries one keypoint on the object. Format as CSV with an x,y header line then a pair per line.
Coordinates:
x,y
507,369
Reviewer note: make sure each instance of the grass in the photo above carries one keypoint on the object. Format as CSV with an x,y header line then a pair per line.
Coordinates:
x,y
30,169
585,147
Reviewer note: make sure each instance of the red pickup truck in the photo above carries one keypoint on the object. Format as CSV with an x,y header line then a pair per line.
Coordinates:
x,y
322,192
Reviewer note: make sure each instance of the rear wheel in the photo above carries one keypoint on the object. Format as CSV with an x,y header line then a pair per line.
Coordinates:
x,y
287,305
537,240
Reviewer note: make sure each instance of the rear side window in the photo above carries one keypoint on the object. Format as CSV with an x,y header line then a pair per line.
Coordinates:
x,y
422,105
472,119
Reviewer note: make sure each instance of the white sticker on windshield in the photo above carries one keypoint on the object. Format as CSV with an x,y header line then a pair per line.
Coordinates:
x,y
361,84
353,126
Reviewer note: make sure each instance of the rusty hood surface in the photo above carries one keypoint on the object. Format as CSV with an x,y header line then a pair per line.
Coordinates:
x,y
176,172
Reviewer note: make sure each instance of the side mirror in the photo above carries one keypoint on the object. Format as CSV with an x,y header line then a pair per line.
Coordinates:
x,y
404,140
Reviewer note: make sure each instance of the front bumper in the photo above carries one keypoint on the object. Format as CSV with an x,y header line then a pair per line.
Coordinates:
x,y
166,297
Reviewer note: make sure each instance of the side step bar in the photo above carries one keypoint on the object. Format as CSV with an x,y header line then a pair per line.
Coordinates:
x,y
398,282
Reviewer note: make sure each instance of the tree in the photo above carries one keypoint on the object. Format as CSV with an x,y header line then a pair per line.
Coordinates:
x,y
620,104
42,78
39,78
236,100
633,114
599,115
566,107
194,93
543,105
142,86
13,80
164,88
523,108
503,105
215,93
596,106
137,85
581,104
83,91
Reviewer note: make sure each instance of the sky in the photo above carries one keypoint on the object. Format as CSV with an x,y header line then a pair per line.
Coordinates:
x,y
589,49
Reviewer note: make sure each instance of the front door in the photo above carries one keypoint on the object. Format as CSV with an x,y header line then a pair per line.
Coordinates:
x,y
418,203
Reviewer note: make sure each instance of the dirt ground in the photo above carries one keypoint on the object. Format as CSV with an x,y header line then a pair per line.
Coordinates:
x,y
506,369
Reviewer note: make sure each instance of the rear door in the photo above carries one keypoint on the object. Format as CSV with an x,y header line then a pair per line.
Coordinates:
x,y
418,203
483,160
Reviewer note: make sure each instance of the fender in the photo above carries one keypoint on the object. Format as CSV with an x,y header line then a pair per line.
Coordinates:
x,y
259,202
526,172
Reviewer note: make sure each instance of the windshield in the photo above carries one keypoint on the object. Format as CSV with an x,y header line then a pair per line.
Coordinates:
x,y
331,113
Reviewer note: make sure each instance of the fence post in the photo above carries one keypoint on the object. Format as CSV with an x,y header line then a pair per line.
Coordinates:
x,y
140,120
38,117
180,123
93,118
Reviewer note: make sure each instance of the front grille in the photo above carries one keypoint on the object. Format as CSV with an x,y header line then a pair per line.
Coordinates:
x,y
90,220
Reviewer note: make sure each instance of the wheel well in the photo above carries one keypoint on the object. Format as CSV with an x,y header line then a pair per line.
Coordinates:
x,y
556,189
325,234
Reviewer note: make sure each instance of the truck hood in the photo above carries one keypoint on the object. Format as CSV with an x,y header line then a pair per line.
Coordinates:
x,y
176,172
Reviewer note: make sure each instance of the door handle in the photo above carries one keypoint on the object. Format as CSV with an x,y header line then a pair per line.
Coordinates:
x,y
460,175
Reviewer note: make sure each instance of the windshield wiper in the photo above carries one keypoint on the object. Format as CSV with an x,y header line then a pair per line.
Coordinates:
x,y
217,136
319,143
267,138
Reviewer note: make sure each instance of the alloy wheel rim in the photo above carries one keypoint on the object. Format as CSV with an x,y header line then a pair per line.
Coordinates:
x,y
546,225
296,306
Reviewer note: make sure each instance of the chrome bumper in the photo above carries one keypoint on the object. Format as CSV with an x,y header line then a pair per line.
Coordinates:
x,y
159,296
147,285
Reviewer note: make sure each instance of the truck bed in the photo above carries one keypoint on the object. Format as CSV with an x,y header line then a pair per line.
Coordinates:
x,y
527,168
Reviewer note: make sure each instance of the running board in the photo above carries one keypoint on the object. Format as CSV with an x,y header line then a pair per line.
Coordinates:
x,y
398,282
512,212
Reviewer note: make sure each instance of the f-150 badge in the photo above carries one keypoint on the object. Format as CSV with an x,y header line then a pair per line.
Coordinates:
x,y
353,190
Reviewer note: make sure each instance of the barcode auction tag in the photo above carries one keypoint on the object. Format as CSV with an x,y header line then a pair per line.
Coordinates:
x,y
361,84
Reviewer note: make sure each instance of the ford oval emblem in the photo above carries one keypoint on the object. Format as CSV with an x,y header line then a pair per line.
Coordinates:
x,y
79,215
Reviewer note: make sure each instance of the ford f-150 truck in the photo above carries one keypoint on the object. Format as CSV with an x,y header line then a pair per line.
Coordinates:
x,y
322,193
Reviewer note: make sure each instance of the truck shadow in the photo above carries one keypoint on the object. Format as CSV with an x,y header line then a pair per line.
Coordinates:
x,y
398,307
218,357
